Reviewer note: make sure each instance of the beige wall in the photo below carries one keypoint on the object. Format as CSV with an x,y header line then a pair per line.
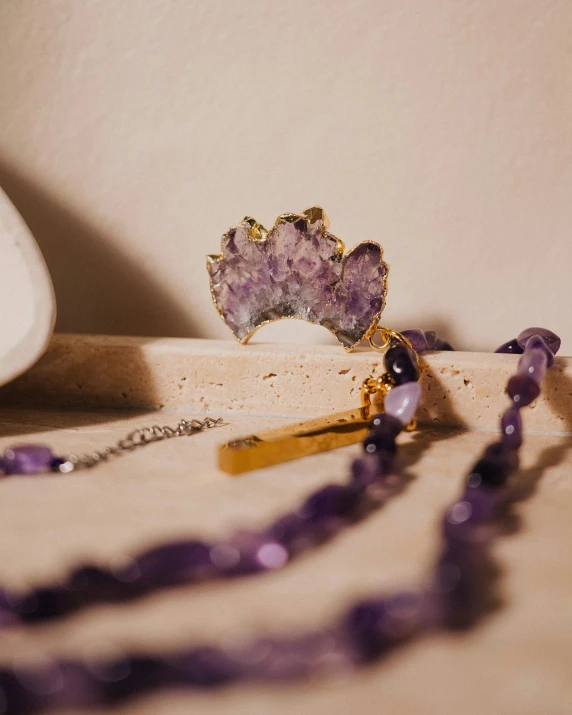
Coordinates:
x,y
134,132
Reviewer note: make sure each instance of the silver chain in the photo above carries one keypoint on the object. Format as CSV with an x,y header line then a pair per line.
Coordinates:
x,y
137,438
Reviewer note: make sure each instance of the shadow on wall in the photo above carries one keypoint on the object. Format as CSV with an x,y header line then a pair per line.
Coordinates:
x,y
98,288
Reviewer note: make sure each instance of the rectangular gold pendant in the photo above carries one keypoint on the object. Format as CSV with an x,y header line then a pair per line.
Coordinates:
x,y
294,441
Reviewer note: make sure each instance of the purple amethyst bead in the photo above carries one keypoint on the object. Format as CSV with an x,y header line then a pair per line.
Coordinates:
x,y
511,428
550,338
417,339
27,459
381,444
534,362
334,500
510,348
494,467
172,564
206,667
366,470
430,337
401,364
386,424
441,344
522,389
402,401
538,343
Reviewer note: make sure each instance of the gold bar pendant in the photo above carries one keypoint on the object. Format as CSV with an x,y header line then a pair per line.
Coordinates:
x,y
294,441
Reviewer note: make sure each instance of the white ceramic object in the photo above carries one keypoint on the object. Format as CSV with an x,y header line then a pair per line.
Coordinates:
x,y
27,301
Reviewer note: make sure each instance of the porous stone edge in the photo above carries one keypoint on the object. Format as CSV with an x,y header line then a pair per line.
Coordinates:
x,y
214,376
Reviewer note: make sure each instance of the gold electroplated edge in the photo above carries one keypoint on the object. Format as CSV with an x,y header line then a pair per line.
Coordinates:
x,y
257,228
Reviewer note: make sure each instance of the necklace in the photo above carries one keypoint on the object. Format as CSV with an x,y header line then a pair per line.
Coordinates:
x,y
451,598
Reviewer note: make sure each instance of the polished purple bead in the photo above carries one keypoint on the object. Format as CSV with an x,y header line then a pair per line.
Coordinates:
x,y
172,564
401,364
363,624
511,427
402,401
441,344
134,675
92,583
27,459
205,667
380,443
366,470
462,519
44,604
533,363
523,390
289,530
494,467
550,338
538,343
417,339
376,625
335,500
430,337
510,348
385,424
458,582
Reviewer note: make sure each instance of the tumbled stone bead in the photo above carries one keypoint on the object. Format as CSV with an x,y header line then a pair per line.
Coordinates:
x,y
366,470
401,364
522,389
172,564
533,363
538,343
205,667
45,604
289,530
401,402
494,467
458,580
380,443
384,423
92,584
417,339
511,428
441,344
430,337
550,338
510,348
27,459
376,625
363,624
335,500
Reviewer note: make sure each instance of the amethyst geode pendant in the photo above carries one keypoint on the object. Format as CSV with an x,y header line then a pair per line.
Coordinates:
x,y
298,270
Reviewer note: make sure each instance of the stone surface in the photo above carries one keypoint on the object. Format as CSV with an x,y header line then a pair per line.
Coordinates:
x,y
173,490
297,270
212,377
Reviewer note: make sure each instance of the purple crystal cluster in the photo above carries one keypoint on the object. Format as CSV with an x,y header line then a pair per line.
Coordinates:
x,y
297,270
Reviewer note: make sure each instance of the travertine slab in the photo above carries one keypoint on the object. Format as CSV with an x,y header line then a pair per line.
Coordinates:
x,y
209,376
517,661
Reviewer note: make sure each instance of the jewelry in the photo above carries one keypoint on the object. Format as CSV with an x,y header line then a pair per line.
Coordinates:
x,y
451,598
297,270
39,459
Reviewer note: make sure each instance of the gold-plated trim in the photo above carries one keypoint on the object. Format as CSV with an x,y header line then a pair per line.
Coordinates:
x,y
258,234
